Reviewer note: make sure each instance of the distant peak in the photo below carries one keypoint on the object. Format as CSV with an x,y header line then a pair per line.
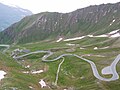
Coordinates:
x,y
9,4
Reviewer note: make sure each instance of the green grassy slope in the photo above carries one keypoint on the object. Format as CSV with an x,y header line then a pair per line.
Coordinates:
x,y
74,74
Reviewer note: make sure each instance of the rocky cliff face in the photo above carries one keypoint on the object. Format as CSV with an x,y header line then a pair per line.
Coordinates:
x,y
49,25
10,15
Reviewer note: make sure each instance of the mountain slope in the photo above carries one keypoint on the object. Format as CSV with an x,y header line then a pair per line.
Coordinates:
x,y
47,32
10,15
93,20
20,72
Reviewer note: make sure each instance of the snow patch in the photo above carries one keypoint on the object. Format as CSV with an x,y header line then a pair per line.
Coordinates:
x,y
112,22
28,66
60,39
2,73
101,35
115,31
77,38
64,89
104,47
37,72
42,83
90,35
26,72
115,35
95,48
30,87
33,72
45,20
69,44
104,35
105,13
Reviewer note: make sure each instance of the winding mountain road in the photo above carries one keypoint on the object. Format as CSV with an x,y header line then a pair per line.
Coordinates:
x,y
112,67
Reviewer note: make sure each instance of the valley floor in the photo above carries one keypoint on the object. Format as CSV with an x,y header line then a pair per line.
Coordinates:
x,y
77,70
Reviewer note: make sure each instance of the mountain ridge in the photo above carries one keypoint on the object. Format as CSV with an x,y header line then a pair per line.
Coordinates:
x,y
96,20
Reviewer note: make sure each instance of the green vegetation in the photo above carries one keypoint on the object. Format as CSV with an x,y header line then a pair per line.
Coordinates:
x,y
41,31
74,73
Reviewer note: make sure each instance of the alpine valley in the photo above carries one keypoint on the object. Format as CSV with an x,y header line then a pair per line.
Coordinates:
x,y
79,50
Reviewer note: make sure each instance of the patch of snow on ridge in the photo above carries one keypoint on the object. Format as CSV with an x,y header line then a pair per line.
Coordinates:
x,y
104,35
101,35
115,31
59,39
110,34
90,35
77,38
115,35
112,22
2,73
